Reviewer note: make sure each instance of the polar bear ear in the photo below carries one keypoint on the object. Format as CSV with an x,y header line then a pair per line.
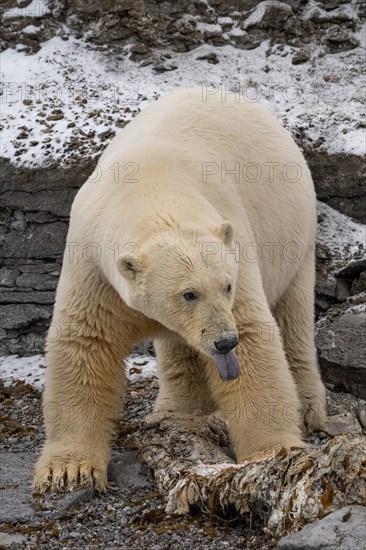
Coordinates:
x,y
131,266
226,232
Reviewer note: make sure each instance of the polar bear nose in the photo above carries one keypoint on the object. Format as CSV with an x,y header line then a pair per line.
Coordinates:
x,y
226,344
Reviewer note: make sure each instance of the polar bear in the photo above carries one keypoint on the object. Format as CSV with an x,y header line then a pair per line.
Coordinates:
x,y
197,230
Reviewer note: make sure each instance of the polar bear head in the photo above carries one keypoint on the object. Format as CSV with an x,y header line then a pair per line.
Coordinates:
x,y
185,280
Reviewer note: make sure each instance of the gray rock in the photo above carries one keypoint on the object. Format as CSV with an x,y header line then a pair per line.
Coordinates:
x,y
269,13
42,241
52,268
25,343
47,179
57,202
16,494
30,297
331,4
341,423
8,276
61,502
342,354
359,284
344,529
353,269
343,290
41,217
107,134
351,279
90,8
139,48
19,222
295,4
319,15
339,250
362,416
19,316
145,348
37,281
339,181
126,469
300,57
338,39
7,540
340,403
16,471
169,7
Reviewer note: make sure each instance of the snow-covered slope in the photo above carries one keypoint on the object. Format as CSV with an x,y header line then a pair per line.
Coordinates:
x,y
67,100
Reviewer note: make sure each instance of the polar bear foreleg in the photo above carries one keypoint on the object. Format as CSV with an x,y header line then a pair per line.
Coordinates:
x,y
84,381
261,406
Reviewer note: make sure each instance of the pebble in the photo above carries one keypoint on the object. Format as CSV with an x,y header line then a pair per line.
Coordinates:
x,y
300,57
54,117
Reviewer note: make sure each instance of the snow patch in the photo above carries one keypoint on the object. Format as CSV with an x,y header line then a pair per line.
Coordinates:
x,y
32,369
208,27
225,20
141,367
338,232
236,31
28,369
30,29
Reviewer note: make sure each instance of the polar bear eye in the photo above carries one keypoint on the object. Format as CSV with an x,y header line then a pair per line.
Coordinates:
x,y
228,288
189,296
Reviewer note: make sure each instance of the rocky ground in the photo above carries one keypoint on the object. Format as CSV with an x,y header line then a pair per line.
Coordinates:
x,y
132,513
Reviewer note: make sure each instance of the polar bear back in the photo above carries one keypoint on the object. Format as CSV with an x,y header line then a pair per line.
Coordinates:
x,y
202,160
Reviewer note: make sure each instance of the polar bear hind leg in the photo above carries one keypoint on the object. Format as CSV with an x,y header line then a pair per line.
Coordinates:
x,y
182,379
295,316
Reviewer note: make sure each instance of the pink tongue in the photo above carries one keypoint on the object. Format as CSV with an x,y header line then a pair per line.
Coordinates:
x,y
228,365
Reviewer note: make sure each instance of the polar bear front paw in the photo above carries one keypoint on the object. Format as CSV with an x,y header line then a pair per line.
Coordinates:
x,y
68,473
